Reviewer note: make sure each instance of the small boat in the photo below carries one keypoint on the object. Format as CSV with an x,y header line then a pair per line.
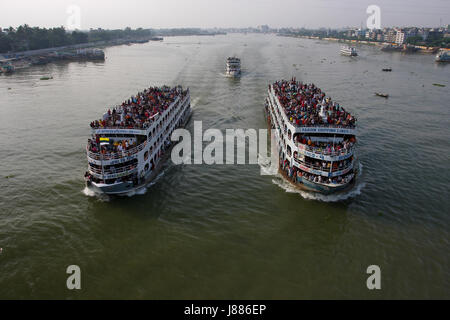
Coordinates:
x,y
7,68
384,95
348,51
46,78
443,56
387,69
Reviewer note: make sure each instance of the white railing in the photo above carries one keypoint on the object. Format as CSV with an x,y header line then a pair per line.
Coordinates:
x,y
113,170
115,155
323,151
324,169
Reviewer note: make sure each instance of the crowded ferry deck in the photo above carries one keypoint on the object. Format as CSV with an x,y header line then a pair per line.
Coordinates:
x,y
315,135
130,141
233,67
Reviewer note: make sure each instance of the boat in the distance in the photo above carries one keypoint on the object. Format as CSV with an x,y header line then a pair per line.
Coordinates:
x,y
315,137
387,69
131,141
443,56
349,51
7,67
384,95
233,67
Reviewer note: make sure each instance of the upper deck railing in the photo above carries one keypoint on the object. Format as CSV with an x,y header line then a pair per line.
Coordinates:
x,y
115,155
113,170
324,152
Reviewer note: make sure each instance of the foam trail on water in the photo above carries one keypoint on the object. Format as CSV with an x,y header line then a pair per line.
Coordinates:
x,y
90,193
194,102
265,166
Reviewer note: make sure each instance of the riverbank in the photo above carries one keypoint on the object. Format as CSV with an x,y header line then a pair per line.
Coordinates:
x,y
90,51
391,46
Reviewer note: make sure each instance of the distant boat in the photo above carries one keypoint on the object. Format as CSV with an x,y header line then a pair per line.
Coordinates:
x,y
233,67
348,51
443,56
384,95
387,69
7,68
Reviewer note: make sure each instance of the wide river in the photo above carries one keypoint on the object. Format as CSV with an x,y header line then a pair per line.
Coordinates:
x,y
226,231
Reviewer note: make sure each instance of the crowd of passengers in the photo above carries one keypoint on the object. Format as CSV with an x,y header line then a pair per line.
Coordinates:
x,y
326,165
322,164
296,175
327,147
303,103
115,168
111,148
138,111
133,178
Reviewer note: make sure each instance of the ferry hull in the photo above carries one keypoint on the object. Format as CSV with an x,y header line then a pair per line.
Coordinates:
x,y
233,74
307,185
325,189
116,188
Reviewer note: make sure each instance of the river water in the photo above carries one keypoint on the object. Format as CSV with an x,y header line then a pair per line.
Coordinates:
x,y
225,231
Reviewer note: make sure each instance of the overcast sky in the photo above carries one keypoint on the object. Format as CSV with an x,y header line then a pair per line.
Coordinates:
x,y
111,14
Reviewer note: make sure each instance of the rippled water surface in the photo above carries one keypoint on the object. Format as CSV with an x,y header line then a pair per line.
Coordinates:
x,y
227,232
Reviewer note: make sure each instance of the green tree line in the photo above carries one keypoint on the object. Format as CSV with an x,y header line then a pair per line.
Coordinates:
x,y
31,38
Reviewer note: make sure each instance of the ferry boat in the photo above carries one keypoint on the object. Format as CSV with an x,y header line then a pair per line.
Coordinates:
x,y
233,67
443,56
348,51
130,143
315,136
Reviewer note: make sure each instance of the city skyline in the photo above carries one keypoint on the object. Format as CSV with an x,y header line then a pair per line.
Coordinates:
x,y
225,14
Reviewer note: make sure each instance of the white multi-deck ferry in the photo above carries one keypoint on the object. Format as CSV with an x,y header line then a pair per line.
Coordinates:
x,y
315,136
233,67
349,51
131,141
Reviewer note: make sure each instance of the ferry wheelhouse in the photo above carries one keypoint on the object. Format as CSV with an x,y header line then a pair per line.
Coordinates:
x,y
233,67
315,137
349,51
131,141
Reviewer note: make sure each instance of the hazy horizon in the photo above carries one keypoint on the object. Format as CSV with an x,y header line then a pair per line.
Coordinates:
x,y
157,14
